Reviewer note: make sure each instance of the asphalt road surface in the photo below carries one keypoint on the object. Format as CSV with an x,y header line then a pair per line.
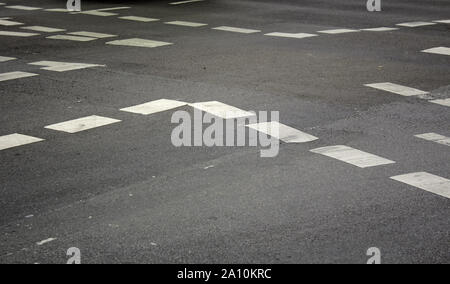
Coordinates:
x,y
114,185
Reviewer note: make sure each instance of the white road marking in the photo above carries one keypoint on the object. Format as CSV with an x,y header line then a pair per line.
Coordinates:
x,y
154,107
438,50
352,156
397,89
138,19
443,102
2,4
139,42
63,66
338,31
434,137
113,8
4,58
382,29
285,133
6,22
15,75
290,35
91,34
15,140
72,38
236,30
97,13
82,124
18,34
57,10
45,241
426,181
186,24
221,110
185,2
416,24
43,29
26,8
443,21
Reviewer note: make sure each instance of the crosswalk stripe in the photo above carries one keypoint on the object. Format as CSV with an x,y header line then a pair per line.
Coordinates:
x,y
97,13
17,34
6,22
138,19
443,21
438,50
63,66
415,24
26,8
82,124
338,31
15,75
5,58
72,38
154,107
185,2
114,9
382,29
43,29
16,139
91,34
291,35
236,30
352,156
221,110
138,42
434,137
426,181
186,24
397,89
282,132
56,10
443,102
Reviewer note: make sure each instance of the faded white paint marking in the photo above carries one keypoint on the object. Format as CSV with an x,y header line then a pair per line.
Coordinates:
x,y
18,34
434,137
4,58
15,140
57,10
63,66
97,13
338,31
428,182
185,2
91,34
138,19
113,8
443,102
236,30
186,24
222,110
72,38
397,89
352,156
43,29
138,42
82,124
26,8
382,29
6,22
2,4
438,50
45,241
154,107
15,75
283,132
416,24
443,21
290,35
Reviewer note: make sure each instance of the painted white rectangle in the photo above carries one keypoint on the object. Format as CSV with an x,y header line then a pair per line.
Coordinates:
x,y
71,38
91,34
5,22
138,19
154,107
282,132
15,140
222,110
2,4
25,8
185,2
97,13
352,156
186,24
426,181
139,42
443,102
397,89
382,29
338,31
236,30
43,29
63,66
57,10
82,124
5,58
434,137
18,34
416,24
113,9
290,35
443,21
43,242
15,75
438,50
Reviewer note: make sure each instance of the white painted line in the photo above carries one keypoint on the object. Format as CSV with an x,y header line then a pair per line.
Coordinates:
x,y
186,24
5,22
434,137
2,4
72,38
97,13
15,75
154,107
397,89
15,140
352,156
4,58
416,24
57,10
18,34
91,34
438,50
138,19
185,2
428,182
236,30
45,241
382,29
43,29
63,66
113,9
443,21
82,124
339,31
283,132
221,110
443,102
138,42
26,8
289,35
